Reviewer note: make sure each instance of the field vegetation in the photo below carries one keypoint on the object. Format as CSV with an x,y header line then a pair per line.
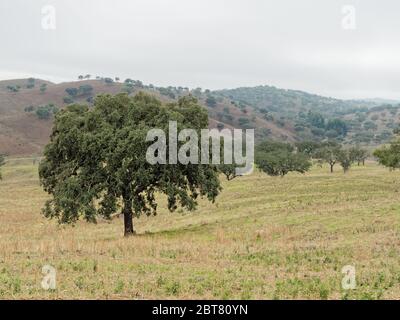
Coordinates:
x,y
265,237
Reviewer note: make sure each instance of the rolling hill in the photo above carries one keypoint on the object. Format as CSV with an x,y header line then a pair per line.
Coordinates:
x,y
26,107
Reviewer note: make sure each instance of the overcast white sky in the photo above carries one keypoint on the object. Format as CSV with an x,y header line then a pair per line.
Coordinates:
x,y
295,44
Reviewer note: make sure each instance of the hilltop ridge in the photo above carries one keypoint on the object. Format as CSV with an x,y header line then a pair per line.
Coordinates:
x,y
277,114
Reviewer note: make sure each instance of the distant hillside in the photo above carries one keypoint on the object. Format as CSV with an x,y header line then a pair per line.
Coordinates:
x,y
27,107
26,111
317,118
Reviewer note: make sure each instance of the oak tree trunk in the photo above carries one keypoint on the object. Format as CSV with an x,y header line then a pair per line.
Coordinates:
x,y
128,219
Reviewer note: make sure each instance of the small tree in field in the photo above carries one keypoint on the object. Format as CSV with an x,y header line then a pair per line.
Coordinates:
x,y
2,162
229,170
329,154
358,155
344,159
389,156
278,159
96,162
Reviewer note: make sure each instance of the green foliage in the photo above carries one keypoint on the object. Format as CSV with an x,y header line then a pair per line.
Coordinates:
x,y
344,159
358,154
197,92
308,147
316,119
43,88
167,92
90,99
370,125
229,170
332,153
31,83
389,156
96,162
278,159
337,125
329,153
13,88
68,100
220,126
128,87
73,92
271,146
81,91
244,122
45,112
85,89
211,101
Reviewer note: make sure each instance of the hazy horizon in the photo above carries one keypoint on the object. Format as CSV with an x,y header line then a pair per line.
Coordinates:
x,y
209,44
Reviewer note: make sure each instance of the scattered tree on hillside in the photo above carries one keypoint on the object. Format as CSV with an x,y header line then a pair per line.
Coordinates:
x,y
167,92
108,80
211,101
128,87
278,159
244,122
81,91
370,125
316,119
80,77
43,88
73,92
85,89
197,92
337,125
87,76
96,162
68,100
14,88
45,112
31,83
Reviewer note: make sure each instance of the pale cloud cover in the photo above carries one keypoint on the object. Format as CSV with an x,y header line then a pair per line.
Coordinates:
x,y
210,43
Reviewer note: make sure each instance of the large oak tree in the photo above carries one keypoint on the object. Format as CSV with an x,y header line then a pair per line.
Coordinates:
x,y
96,162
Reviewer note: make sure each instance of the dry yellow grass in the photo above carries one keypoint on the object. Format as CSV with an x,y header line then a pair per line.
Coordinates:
x,y
264,238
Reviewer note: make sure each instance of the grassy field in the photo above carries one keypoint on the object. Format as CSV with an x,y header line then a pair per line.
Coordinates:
x,y
266,238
